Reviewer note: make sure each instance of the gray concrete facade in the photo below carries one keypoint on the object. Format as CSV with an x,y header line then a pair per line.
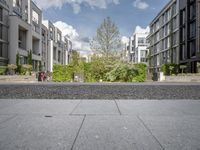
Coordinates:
x,y
22,31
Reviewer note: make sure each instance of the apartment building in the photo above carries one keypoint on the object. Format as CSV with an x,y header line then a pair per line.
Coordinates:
x,y
58,49
25,21
164,37
189,53
138,51
22,31
67,50
45,59
4,13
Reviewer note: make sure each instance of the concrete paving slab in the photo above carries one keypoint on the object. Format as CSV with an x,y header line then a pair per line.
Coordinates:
x,y
39,133
114,133
175,133
97,107
47,107
158,107
4,118
8,103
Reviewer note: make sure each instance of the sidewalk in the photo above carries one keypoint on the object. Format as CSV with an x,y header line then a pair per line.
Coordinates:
x,y
99,125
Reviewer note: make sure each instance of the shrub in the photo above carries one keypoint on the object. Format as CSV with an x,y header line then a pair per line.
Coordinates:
x,y
63,73
142,73
3,70
127,73
11,69
26,69
169,69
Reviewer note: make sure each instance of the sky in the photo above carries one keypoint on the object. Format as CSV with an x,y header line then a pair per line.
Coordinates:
x,y
80,18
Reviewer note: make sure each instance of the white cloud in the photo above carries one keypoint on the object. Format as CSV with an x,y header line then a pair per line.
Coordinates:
x,y
76,4
140,4
139,29
80,44
124,40
67,29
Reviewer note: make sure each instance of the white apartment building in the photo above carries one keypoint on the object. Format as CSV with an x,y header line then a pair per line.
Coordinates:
x,y
58,49
21,31
25,21
138,51
4,12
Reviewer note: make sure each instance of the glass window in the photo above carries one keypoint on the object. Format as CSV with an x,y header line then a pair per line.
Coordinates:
x,y
1,50
192,30
35,17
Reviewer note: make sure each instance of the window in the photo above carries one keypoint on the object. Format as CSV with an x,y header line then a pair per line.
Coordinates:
x,y
192,11
182,52
174,9
1,31
1,14
1,50
17,3
183,17
193,48
59,37
192,30
51,33
35,17
54,53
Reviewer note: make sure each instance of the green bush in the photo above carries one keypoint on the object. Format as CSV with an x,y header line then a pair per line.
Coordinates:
x,y
127,73
98,70
169,69
142,73
3,70
25,69
62,73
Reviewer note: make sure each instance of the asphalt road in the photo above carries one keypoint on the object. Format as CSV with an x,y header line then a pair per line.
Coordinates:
x,y
110,91
99,125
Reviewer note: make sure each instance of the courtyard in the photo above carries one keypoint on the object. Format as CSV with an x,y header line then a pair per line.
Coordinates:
x,y
99,124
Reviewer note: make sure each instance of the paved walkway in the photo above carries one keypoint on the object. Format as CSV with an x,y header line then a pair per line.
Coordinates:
x,y
99,125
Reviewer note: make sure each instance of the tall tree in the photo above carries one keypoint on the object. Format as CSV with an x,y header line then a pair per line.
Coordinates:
x,y
107,40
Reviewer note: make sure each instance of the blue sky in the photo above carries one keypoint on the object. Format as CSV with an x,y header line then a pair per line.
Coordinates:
x,y
84,16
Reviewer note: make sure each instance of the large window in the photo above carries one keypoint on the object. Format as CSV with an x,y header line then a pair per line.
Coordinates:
x,y
1,14
35,17
1,50
193,48
17,3
192,11
192,29
54,53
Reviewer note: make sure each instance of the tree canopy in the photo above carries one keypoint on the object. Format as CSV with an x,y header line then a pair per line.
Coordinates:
x,y
107,40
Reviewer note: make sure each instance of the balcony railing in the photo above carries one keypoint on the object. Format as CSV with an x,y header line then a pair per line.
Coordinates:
x,y
17,10
36,28
4,3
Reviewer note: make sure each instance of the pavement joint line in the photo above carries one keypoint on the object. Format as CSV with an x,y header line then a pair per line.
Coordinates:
x,y
150,132
118,107
94,115
78,132
8,119
75,107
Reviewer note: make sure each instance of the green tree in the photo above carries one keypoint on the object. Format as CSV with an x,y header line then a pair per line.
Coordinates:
x,y
107,40
30,59
17,59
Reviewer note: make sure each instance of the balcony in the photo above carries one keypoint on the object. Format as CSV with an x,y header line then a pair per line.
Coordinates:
x,y
36,28
17,10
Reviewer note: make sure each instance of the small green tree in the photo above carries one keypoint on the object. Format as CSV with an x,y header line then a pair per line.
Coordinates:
x,y
17,59
171,69
183,67
30,58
